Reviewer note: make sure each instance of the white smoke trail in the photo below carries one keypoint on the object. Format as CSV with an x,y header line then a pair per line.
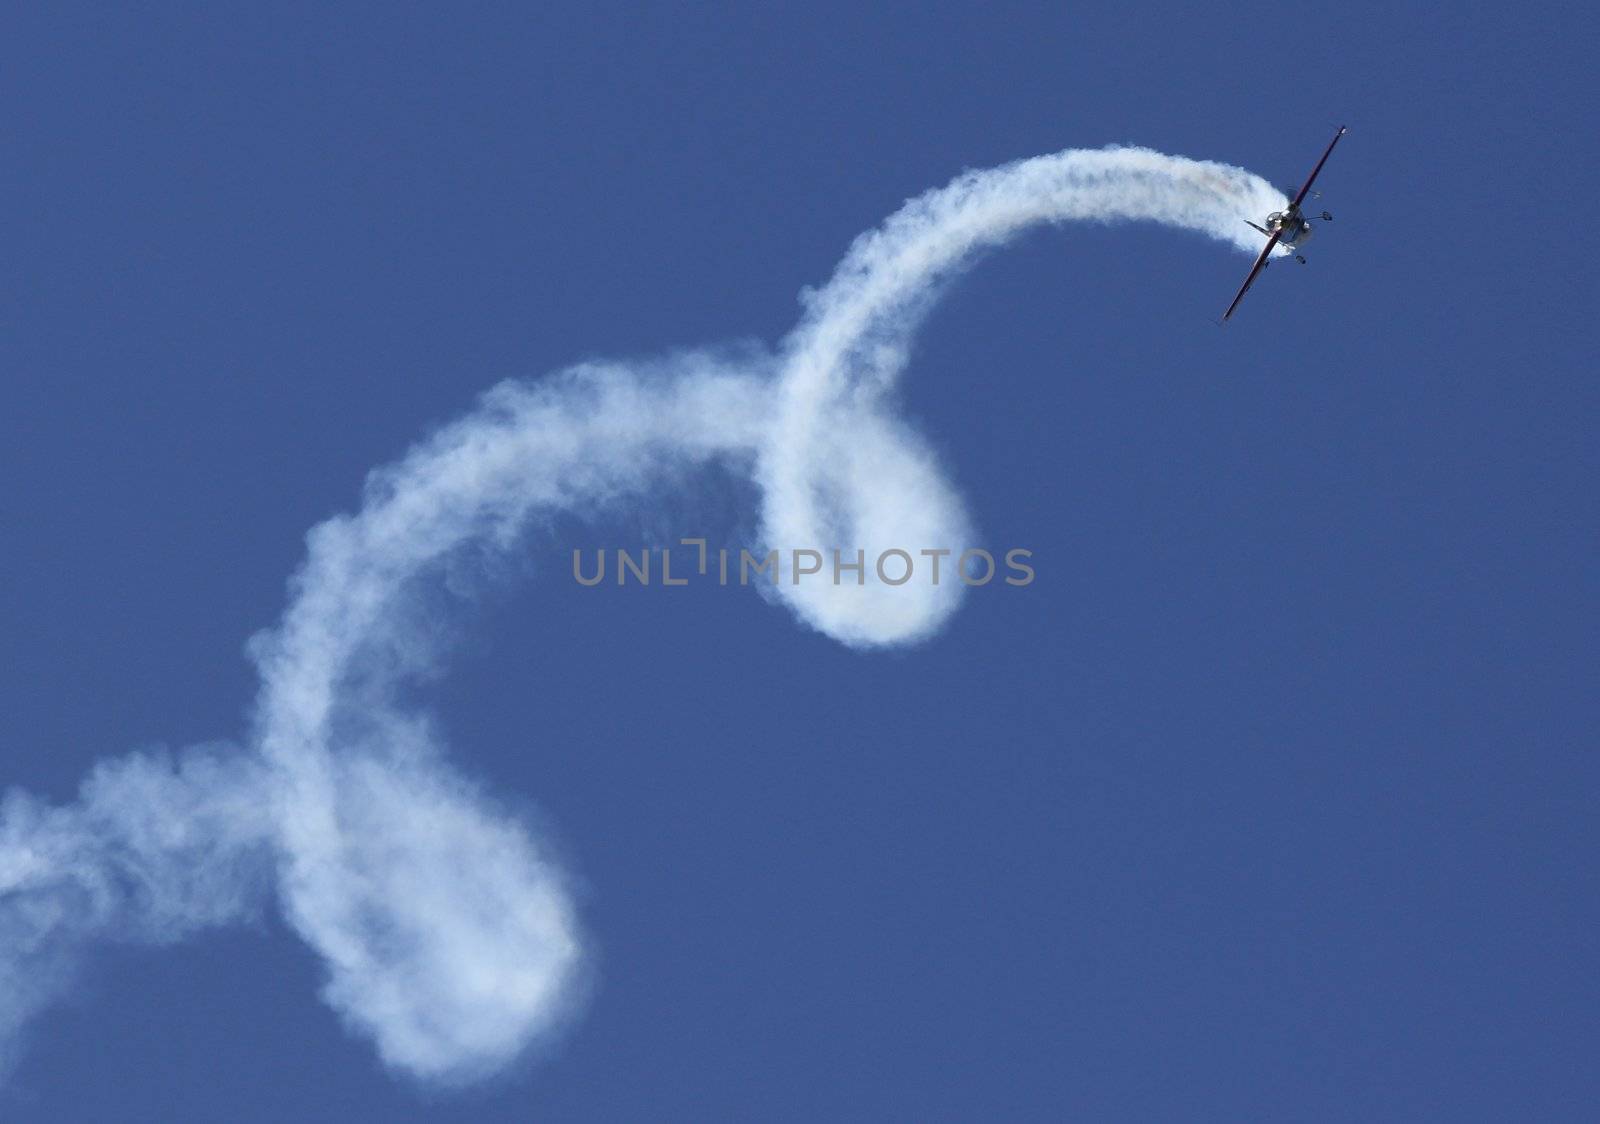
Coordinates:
x,y
448,937
837,468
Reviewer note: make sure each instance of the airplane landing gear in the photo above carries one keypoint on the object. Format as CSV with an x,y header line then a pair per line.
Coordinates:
x,y
1326,217
1300,259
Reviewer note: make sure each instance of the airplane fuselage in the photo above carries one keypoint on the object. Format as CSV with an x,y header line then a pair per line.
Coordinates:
x,y
1297,229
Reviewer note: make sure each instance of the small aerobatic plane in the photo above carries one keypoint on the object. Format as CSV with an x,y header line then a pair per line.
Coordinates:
x,y
1289,227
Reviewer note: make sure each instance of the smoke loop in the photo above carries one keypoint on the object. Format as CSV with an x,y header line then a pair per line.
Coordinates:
x,y
448,936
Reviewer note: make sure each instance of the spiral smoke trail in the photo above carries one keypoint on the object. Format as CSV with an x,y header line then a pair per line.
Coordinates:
x,y
448,937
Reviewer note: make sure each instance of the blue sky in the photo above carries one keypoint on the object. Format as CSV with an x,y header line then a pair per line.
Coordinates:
x,y
1271,798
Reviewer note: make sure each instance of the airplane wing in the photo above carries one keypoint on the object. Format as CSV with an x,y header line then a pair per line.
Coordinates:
x,y
1272,240
1311,179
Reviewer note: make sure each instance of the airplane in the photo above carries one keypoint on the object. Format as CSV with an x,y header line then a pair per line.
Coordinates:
x,y
1288,227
